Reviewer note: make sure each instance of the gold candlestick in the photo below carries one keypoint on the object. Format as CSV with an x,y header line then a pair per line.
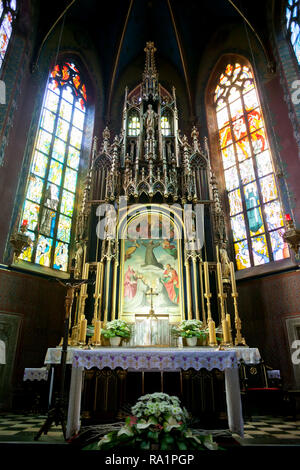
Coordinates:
x,y
206,278
222,296
82,332
195,288
220,280
188,289
97,334
229,326
239,340
211,324
96,294
212,340
114,294
202,295
232,275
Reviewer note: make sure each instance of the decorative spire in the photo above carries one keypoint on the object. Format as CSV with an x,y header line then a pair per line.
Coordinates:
x,y
150,75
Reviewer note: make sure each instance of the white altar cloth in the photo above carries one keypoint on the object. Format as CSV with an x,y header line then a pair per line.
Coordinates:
x,y
164,359
248,355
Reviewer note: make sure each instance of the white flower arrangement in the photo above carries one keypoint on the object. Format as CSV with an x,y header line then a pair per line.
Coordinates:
x,y
190,329
116,328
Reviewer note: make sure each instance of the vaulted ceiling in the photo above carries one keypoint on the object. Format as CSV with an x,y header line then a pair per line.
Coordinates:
x,y
180,29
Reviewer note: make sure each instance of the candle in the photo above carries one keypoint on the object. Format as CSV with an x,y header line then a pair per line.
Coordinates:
x,y
232,275
82,334
219,275
85,276
97,279
212,332
226,336
228,321
97,331
206,278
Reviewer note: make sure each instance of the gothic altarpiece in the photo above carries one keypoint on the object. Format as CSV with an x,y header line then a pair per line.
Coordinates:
x,y
150,230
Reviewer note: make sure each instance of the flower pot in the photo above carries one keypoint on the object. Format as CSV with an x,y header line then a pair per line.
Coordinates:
x,y
115,341
191,341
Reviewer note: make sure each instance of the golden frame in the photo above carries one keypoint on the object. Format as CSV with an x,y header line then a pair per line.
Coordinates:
x,y
125,220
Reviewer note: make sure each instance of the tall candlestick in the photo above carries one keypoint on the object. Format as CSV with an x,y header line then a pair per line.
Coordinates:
x,y
219,276
232,275
206,278
82,334
225,330
97,332
85,276
228,319
212,333
97,284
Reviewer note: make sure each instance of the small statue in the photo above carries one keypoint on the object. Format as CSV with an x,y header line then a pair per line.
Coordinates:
x,y
150,117
225,263
78,261
111,219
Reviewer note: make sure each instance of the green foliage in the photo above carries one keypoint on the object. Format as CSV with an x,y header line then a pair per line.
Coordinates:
x,y
190,329
116,328
158,422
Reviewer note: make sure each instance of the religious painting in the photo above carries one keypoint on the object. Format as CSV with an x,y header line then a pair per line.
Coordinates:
x,y
151,269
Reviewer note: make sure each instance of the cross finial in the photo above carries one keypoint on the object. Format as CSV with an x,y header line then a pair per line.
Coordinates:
x,y
150,49
150,75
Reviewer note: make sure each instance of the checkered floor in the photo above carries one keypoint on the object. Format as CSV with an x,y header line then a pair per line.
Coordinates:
x,y
261,430
24,428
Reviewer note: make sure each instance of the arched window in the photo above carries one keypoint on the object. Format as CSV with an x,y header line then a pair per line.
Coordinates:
x,y
7,17
292,13
134,124
166,125
254,206
51,188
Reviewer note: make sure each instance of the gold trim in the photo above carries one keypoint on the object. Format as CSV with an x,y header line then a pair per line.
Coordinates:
x,y
150,209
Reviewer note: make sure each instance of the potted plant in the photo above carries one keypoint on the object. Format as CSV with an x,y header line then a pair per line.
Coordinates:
x,y
158,422
191,330
116,330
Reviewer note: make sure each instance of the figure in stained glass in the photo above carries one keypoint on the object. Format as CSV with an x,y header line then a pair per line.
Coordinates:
x,y
246,159
56,157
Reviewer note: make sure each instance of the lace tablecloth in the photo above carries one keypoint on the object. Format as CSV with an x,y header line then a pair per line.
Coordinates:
x,y
35,373
163,359
155,359
53,356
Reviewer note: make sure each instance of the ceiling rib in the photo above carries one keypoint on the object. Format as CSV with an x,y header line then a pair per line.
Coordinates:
x,y
112,81
179,44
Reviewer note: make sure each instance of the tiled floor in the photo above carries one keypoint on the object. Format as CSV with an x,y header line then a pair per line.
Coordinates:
x,y
260,430
24,428
267,430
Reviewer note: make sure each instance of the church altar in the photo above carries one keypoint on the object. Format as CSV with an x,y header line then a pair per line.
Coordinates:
x,y
161,359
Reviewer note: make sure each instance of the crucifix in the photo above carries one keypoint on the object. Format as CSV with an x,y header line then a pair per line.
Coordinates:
x,y
151,293
153,318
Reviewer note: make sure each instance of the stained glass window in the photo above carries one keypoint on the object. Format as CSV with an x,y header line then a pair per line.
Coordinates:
x,y
134,125
50,195
254,207
165,126
292,13
7,17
